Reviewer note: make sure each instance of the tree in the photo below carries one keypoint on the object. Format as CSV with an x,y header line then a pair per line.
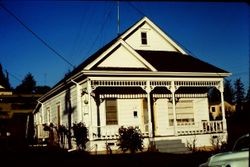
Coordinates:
x,y
248,95
28,85
4,80
228,91
214,95
239,93
42,89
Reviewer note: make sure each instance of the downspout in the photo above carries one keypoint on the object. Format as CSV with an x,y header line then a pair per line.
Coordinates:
x,y
41,115
89,90
78,100
27,127
42,112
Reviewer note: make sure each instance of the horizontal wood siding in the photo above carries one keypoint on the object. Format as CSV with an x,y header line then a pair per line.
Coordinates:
x,y
52,104
201,109
73,98
126,109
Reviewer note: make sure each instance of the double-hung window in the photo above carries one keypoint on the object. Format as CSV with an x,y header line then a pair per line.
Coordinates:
x,y
144,40
111,112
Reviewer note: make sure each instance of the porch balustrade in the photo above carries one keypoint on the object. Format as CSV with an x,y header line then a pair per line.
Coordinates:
x,y
195,128
112,131
183,129
205,127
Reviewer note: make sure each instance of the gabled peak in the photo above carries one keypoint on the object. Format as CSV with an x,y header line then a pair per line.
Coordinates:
x,y
121,55
145,35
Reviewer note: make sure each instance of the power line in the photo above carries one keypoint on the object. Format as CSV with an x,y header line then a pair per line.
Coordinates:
x,y
36,35
102,27
14,76
137,9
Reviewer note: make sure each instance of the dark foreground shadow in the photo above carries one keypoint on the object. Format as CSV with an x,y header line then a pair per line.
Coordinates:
x,y
37,157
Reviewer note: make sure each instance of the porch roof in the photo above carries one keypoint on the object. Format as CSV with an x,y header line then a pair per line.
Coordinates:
x,y
177,62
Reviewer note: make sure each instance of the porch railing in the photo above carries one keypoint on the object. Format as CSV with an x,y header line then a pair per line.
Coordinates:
x,y
204,127
112,131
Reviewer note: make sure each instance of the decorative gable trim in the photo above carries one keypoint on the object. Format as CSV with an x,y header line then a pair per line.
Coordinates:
x,y
109,51
156,28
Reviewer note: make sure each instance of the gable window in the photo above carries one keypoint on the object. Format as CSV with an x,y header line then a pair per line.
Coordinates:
x,y
111,112
144,38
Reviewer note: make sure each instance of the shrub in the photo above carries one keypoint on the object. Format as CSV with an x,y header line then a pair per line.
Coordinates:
x,y
81,135
62,132
192,145
53,141
130,138
218,145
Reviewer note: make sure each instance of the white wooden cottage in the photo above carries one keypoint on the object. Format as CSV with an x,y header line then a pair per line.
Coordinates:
x,y
141,78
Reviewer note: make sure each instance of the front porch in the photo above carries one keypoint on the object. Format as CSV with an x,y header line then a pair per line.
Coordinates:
x,y
162,109
176,121
201,132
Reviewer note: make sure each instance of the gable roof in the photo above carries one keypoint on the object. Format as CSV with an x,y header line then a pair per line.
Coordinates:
x,y
123,36
154,60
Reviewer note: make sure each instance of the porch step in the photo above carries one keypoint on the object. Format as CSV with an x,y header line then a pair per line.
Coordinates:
x,y
171,146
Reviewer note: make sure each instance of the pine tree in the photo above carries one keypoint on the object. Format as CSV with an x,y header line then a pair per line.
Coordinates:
x,y
28,85
248,95
239,93
228,91
4,80
214,95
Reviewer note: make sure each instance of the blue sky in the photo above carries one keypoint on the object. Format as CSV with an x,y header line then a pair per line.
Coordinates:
x,y
217,33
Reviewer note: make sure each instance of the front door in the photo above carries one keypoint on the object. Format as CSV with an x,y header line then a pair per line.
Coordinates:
x,y
161,118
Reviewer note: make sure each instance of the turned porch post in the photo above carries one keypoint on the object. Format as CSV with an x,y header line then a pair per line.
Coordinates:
x,y
173,89
89,90
221,89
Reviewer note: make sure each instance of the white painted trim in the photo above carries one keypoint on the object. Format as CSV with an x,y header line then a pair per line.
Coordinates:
x,y
154,73
152,79
79,74
139,56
